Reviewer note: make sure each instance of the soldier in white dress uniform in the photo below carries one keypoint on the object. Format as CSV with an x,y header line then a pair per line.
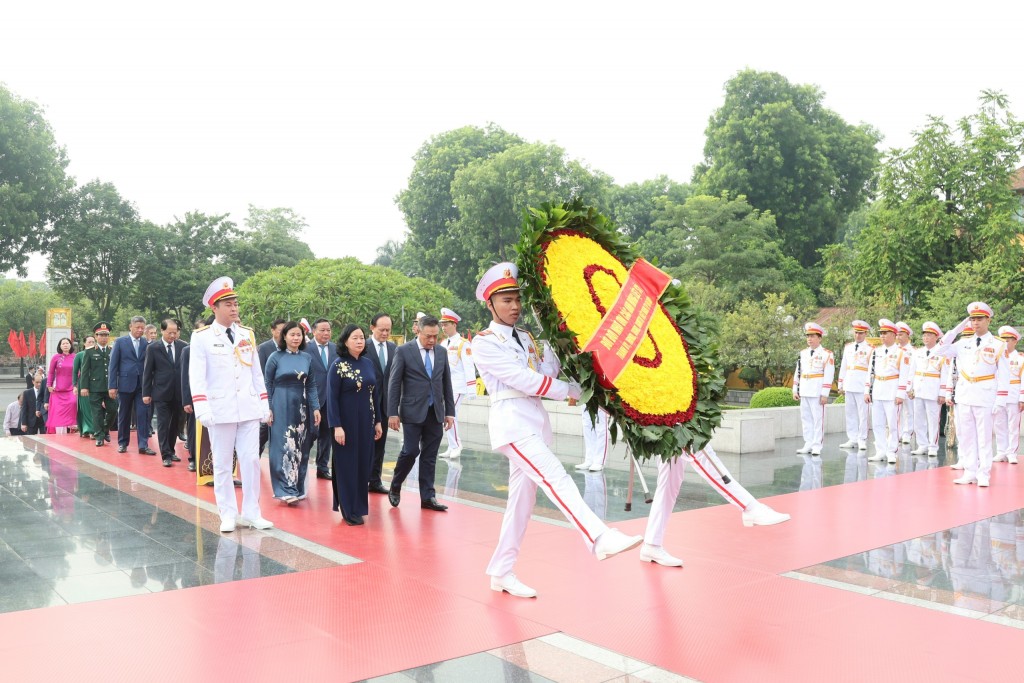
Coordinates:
x,y
853,374
596,441
982,386
886,391
517,375
460,360
812,383
229,398
1007,420
929,373
903,335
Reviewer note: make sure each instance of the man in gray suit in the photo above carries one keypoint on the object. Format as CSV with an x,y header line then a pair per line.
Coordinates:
x,y
382,353
420,398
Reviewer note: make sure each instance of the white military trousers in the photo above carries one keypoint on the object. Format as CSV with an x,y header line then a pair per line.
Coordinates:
x,y
531,464
1006,422
670,480
885,420
227,439
596,440
926,423
812,420
856,417
974,439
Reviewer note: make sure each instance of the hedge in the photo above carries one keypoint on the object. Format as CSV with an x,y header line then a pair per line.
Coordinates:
x,y
773,397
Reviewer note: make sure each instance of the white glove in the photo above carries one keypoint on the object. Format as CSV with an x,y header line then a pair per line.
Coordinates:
x,y
204,415
575,391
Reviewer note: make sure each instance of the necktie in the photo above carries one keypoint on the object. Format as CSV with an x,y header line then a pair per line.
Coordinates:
x,y
515,335
856,346
978,341
812,353
231,335
928,353
380,354
430,373
170,353
323,354
136,343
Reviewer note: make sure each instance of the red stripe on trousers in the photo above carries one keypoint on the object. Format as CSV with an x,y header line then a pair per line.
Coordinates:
x,y
707,476
552,490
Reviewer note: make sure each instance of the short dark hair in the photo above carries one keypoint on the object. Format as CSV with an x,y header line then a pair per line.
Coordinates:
x,y
343,338
167,321
429,321
376,319
318,321
277,321
282,344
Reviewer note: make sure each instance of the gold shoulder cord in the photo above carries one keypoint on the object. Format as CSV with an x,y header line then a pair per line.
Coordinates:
x,y
238,354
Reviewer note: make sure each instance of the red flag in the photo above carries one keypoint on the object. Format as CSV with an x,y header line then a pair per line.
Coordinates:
x,y
22,346
42,344
32,343
12,339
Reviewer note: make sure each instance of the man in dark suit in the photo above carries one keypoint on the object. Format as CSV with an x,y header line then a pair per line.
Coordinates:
x,y
33,415
264,350
161,387
420,399
124,382
323,352
381,352
186,399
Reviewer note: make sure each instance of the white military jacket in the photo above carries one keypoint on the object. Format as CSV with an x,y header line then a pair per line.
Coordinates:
x,y
814,373
1016,361
853,370
982,366
460,360
227,376
889,374
516,378
929,373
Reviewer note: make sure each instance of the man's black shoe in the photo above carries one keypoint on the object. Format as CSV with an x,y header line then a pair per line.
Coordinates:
x,y
107,438
167,462
191,466
147,451
394,497
323,475
378,488
99,442
175,458
432,504
122,449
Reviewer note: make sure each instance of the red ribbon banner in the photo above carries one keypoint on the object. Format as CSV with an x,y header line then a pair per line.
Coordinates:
x,y
624,326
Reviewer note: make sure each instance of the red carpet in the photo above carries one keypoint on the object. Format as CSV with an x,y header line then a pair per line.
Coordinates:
x,y
421,596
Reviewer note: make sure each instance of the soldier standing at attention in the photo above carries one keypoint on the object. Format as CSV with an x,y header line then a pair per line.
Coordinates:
x,y
1007,421
886,391
229,398
94,384
812,383
903,335
853,374
928,374
460,360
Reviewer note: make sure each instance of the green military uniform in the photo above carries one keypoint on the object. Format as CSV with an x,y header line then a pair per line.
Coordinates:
x,y
94,379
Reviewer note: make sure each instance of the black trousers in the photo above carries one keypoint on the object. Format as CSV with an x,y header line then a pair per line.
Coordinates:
x,y
377,466
421,440
167,425
323,438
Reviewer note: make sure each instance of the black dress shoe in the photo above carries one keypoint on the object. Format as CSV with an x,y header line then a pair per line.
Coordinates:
x,y
107,438
323,475
358,520
147,451
378,488
175,458
99,442
191,466
348,520
394,497
122,449
432,504
167,462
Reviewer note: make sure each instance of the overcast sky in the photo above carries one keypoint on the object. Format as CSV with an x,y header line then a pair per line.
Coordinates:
x,y
320,107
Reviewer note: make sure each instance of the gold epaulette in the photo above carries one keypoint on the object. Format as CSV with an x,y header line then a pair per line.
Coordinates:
x,y
201,328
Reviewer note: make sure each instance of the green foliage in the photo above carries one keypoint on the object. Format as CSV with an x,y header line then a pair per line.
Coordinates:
x,y
719,241
633,206
776,143
97,253
751,376
988,280
23,307
765,336
945,201
840,399
341,290
645,441
32,180
773,397
272,238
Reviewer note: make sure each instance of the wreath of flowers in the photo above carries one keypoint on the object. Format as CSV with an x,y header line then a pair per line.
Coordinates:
x,y
572,264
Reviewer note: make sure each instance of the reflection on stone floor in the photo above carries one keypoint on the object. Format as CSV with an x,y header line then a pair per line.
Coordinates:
x,y
976,570
69,534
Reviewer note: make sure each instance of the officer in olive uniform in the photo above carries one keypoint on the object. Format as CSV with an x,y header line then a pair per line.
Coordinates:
x,y
94,383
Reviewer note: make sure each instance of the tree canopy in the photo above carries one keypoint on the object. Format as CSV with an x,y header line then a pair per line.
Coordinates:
x,y
777,144
32,180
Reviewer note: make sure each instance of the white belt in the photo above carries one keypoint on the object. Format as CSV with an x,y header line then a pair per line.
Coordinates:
x,y
506,394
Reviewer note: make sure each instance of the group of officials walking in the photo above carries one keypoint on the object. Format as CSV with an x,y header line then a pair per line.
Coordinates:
x,y
899,390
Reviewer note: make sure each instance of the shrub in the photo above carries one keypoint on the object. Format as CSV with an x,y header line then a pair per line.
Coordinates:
x,y
773,397
840,399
